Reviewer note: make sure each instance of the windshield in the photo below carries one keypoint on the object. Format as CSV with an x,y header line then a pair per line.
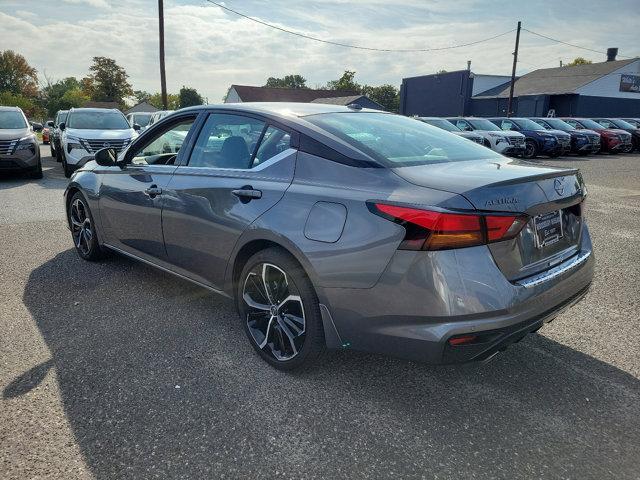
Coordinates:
x,y
398,141
633,121
482,124
526,124
12,119
586,123
441,123
98,121
622,124
142,119
559,124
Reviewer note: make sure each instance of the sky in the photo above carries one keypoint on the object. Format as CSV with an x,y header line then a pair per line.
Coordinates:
x,y
209,49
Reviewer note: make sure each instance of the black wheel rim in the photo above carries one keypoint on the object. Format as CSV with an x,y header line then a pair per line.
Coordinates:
x,y
81,226
529,150
274,311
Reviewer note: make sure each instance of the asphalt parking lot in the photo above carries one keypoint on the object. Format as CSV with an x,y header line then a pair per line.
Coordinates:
x,y
117,370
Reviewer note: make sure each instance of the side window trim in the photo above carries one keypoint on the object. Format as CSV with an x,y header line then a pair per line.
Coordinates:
x,y
150,138
196,130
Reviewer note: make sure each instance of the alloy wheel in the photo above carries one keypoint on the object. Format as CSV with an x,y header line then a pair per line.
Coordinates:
x,y
274,311
81,226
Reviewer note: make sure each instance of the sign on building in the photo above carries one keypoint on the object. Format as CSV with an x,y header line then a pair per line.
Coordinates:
x,y
630,83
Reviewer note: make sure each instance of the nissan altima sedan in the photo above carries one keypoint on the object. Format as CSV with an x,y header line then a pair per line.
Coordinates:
x,y
341,227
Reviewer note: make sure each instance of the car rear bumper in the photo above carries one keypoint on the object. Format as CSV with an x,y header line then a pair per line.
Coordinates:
x,y
425,298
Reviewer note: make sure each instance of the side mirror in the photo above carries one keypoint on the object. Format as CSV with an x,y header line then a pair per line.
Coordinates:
x,y
106,157
62,126
136,127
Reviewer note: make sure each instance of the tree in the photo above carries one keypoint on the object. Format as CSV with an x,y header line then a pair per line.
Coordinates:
x,y
188,97
173,101
579,61
345,82
289,81
107,81
141,96
56,95
30,107
16,75
386,95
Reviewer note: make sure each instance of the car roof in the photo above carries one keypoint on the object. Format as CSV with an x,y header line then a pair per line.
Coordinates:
x,y
284,108
97,110
10,109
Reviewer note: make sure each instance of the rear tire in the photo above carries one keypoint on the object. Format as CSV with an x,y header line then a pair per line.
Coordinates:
x,y
83,229
279,310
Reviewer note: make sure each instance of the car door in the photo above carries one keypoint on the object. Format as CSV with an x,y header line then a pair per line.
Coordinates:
x,y
130,198
240,167
463,125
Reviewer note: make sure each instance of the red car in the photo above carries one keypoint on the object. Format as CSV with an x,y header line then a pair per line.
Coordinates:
x,y
613,140
45,135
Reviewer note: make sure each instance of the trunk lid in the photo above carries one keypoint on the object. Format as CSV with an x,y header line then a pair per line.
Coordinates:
x,y
511,185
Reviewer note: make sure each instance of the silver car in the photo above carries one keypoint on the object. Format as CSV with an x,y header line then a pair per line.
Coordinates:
x,y
341,227
19,148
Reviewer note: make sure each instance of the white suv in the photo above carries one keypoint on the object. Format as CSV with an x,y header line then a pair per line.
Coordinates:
x,y
502,141
88,130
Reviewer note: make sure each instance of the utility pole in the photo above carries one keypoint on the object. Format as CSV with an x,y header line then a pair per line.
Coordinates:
x,y
513,71
163,77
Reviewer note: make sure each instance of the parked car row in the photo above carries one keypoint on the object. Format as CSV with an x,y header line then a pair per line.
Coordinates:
x,y
548,136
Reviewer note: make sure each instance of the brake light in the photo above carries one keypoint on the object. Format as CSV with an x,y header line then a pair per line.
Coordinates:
x,y
433,230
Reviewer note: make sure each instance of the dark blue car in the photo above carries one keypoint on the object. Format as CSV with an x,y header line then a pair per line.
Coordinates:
x,y
537,140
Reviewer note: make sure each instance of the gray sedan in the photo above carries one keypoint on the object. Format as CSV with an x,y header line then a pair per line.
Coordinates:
x,y
341,227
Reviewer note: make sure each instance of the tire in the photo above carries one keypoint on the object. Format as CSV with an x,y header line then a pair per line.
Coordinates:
x,y
530,150
37,172
287,334
59,155
83,229
66,168
54,152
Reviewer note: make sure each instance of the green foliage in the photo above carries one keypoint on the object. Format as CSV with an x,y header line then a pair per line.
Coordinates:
x,y
188,97
141,96
31,108
386,95
62,95
173,101
288,81
16,75
107,82
579,61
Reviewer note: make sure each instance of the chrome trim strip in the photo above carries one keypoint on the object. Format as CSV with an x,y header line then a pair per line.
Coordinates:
x,y
554,272
164,269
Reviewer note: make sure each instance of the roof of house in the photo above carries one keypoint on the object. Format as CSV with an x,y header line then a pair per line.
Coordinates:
x,y
560,80
142,107
91,104
349,99
248,93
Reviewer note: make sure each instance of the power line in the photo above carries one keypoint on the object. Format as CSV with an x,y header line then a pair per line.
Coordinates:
x,y
569,44
359,47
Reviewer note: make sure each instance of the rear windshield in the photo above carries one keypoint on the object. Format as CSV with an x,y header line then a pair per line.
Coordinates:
x,y
97,121
142,119
12,119
397,141
441,123
559,124
482,124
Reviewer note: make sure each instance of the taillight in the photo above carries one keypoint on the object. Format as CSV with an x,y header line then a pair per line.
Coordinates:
x,y
433,230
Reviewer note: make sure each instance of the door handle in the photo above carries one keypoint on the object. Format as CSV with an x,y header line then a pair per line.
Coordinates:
x,y
247,193
153,190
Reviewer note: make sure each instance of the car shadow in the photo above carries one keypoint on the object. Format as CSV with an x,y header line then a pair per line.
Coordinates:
x,y
53,177
158,379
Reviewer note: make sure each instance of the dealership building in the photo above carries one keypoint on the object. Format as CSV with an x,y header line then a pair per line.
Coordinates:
x,y
610,89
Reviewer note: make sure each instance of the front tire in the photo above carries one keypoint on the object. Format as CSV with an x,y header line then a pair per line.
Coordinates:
x,y
279,310
37,172
65,167
83,229
530,150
